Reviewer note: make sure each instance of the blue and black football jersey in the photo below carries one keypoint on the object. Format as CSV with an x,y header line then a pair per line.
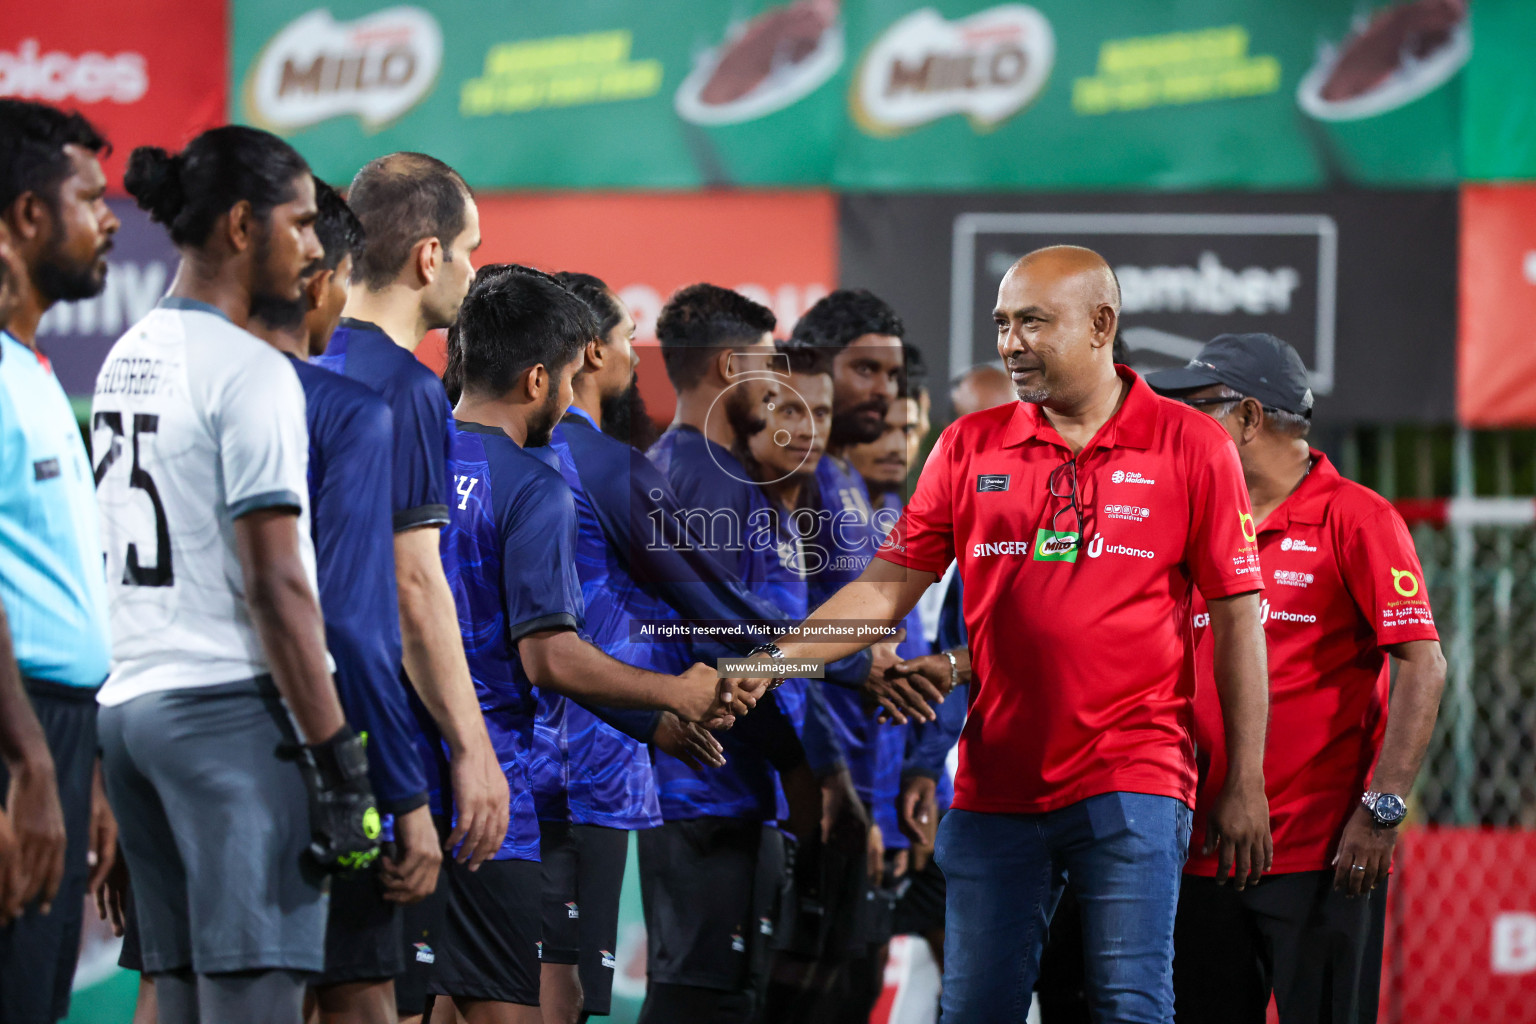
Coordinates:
x,y
893,740
349,459
585,770
419,480
842,547
509,553
712,489
929,744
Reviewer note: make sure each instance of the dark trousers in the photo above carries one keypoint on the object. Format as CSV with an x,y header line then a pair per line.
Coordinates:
x,y
38,951
1317,950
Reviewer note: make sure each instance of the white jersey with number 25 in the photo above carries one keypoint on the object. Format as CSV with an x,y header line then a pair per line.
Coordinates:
x,y
194,423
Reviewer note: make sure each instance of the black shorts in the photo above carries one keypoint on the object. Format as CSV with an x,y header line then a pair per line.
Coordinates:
x,y
38,951
583,869
920,910
364,934
490,947
710,888
131,957
1318,951
422,927
858,911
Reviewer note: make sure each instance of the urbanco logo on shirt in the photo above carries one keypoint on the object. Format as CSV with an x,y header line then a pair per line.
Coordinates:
x,y
1056,546
1097,548
1268,615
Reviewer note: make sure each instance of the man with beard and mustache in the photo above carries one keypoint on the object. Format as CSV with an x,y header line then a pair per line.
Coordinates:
x,y
350,442
409,274
225,750
708,960
592,782
863,336
1081,517
510,554
57,229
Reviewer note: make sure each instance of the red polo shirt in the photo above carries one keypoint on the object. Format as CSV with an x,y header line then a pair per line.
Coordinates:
x,y
1083,657
1342,581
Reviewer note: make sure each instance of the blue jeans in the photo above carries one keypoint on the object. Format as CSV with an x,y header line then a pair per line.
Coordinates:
x,y
1120,852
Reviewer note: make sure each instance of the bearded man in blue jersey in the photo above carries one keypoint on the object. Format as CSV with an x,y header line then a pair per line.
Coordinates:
x,y
510,557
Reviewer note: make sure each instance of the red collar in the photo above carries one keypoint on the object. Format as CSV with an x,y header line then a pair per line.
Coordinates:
x,y
1134,424
1308,503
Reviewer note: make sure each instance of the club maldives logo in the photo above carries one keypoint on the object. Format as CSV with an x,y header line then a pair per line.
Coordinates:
x,y
988,66
1055,546
1130,513
1121,476
1296,544
28,73
316,68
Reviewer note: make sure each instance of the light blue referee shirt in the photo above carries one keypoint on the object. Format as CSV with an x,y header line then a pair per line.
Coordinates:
x,y
51,576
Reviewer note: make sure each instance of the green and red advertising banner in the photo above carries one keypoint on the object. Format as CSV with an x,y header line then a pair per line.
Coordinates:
x,y
880,94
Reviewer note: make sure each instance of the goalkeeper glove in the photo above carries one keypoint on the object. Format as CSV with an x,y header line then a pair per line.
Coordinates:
x,y
344,823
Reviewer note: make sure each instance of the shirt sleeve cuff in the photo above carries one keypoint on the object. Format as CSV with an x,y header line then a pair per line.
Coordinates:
x,y
266,499
1231,588
404,805
915,772
421,515
559,620
1407,636
908,562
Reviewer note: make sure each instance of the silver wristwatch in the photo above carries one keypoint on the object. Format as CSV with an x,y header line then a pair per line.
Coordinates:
x,y
772,650
954,670
1387,809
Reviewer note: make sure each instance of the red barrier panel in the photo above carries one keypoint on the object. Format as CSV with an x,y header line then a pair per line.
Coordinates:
x,y
150,72
1496,363
779,248
1461,928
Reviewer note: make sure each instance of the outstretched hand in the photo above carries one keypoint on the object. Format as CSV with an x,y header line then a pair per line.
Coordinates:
x,y
691,744
703,697
910,689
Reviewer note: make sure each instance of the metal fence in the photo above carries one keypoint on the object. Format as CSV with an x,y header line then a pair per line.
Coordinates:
x,y
1477,540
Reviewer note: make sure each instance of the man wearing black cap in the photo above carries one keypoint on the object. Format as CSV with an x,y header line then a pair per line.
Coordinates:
x,y
1343,589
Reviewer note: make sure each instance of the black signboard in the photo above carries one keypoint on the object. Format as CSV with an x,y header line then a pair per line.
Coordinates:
x,y
1363,284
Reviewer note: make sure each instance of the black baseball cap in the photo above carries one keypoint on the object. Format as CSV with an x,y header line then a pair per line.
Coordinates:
x,y
1254,365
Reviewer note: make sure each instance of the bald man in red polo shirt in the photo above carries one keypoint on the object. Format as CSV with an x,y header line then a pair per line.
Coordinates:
x,y
1084,518
1345,592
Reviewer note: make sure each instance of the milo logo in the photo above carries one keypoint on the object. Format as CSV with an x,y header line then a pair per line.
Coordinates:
x,y
375,68
1055,546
